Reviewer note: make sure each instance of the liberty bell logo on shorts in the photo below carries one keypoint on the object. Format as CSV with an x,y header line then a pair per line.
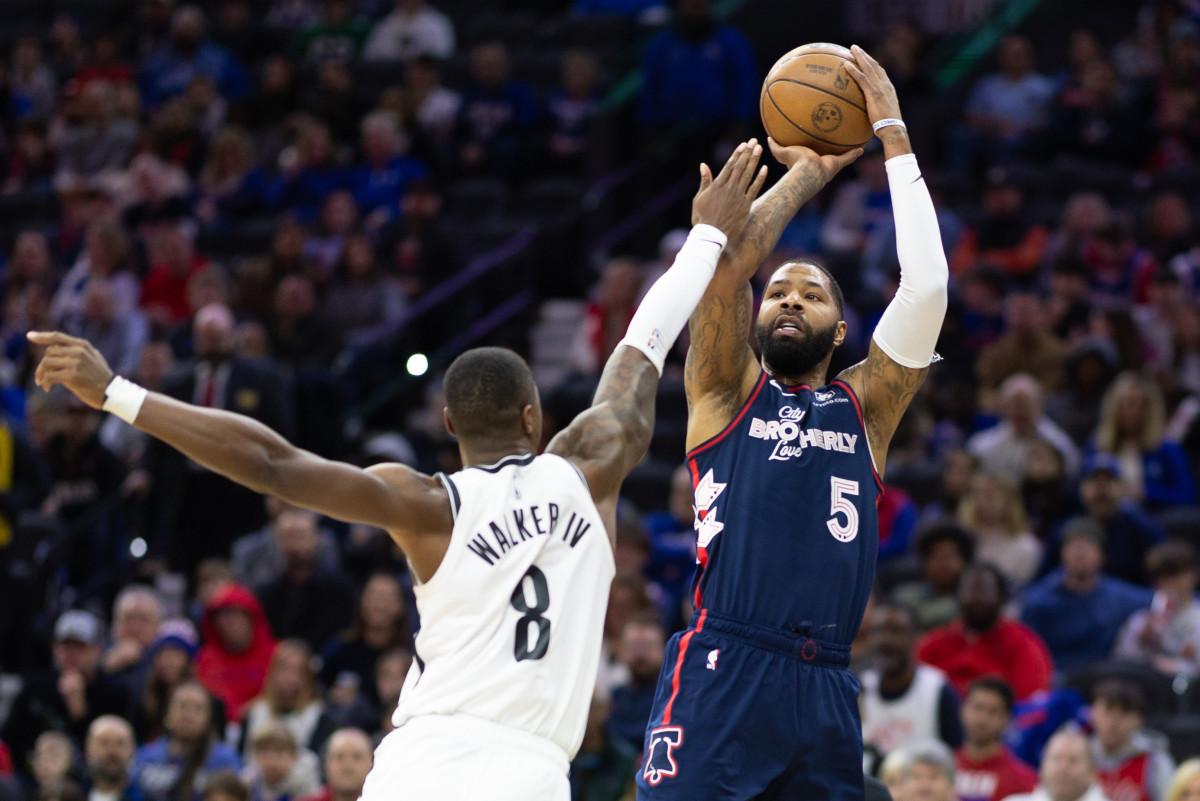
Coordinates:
x,y
660,762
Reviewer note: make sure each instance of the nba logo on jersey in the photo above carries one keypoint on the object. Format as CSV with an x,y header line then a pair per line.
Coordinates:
x,y
660,762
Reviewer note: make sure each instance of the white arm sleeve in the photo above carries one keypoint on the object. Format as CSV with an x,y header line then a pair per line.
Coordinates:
x,y
666,308
908,330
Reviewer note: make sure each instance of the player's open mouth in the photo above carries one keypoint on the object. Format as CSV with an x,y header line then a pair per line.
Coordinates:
x,y
789,327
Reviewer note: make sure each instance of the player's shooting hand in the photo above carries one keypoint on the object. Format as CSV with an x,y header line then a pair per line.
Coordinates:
x,y
828,166
724,202
876,86
75,363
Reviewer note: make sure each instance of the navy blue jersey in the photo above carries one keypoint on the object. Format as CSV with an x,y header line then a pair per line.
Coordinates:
x,y
787,530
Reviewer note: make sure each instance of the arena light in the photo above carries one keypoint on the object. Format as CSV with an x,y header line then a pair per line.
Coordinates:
x,y
417,364
137,548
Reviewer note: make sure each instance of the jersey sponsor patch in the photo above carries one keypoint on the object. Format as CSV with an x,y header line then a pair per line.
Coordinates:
x,y
660,759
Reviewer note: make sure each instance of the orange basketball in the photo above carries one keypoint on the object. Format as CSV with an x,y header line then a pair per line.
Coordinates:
x,y
808,98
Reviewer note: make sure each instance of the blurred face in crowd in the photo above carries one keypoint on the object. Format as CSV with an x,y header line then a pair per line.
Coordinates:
x,y
298,538
154,362
275,763
980,599
289,676
1021,404
171,664
188,713
926,782
985,717
1101,493
1190,789
340,213
73,655
489,64
109,750
1024,314
642,650
1044,463
990,499
1067,769
1082,558
213,332
1016,56
682,496
347,762
51,757
31,255
1132,407
382,601
619,283
390,673
1114,725
235,628
943,566
379,140
892,637
137,618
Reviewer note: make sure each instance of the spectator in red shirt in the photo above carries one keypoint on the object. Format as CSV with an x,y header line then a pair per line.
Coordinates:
x,y
348,758
986,769
981,643
173,262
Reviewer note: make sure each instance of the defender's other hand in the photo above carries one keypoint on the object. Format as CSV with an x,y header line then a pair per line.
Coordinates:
x,y
828,166
724,203
74,363
876,86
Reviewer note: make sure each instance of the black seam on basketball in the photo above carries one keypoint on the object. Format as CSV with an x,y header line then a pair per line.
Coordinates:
x,y
819,89
802,129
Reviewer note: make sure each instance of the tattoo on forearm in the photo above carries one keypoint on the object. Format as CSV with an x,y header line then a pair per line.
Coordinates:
x,y
772,212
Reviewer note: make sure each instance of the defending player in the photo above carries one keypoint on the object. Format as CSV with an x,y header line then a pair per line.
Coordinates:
x,y
509,555
755,700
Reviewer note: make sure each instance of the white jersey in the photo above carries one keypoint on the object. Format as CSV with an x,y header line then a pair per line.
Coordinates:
x,y
511,622
913,716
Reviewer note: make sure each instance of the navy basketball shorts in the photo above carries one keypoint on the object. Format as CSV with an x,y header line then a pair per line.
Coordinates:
x,y
744,712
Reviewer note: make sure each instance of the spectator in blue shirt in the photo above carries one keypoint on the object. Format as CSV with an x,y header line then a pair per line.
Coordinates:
x,y
1128,531
1132,420
698,73
380,182
187,56
571,106
1077,609
1003,109
176,766
641,650
497,111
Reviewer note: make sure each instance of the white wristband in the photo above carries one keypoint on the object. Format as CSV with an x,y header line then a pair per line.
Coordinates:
x,y
665,309
124,399
889,121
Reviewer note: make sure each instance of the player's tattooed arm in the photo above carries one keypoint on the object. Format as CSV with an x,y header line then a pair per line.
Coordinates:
x,y
885,389
391,497
610,438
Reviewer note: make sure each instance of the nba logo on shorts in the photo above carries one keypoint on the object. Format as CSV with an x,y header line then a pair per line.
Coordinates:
x,y
660,762
712,658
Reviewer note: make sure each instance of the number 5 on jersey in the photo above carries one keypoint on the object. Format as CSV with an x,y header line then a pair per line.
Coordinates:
x,y
532,615
839,504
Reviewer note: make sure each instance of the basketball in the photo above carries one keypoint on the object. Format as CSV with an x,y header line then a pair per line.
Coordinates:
x,y
808,98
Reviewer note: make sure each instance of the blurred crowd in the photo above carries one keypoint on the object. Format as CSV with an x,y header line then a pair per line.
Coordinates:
x,y
229,198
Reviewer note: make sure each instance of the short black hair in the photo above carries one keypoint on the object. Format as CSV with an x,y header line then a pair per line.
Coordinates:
x,y
486,391
839,299
226,782
989,568
1170,558
1121,693
945,531
997,685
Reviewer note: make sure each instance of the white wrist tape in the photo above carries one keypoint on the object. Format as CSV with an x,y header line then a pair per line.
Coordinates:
x,y
665,310
886,122
124,399
909,328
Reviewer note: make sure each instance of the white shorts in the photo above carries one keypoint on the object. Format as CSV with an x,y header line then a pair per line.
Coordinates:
x,y
461,758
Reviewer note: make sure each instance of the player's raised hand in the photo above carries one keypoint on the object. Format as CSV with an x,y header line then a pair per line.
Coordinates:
x,y
75,363
828,165
877,88
724,202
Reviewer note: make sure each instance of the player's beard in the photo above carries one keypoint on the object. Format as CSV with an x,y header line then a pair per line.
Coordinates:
x,y
793,358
